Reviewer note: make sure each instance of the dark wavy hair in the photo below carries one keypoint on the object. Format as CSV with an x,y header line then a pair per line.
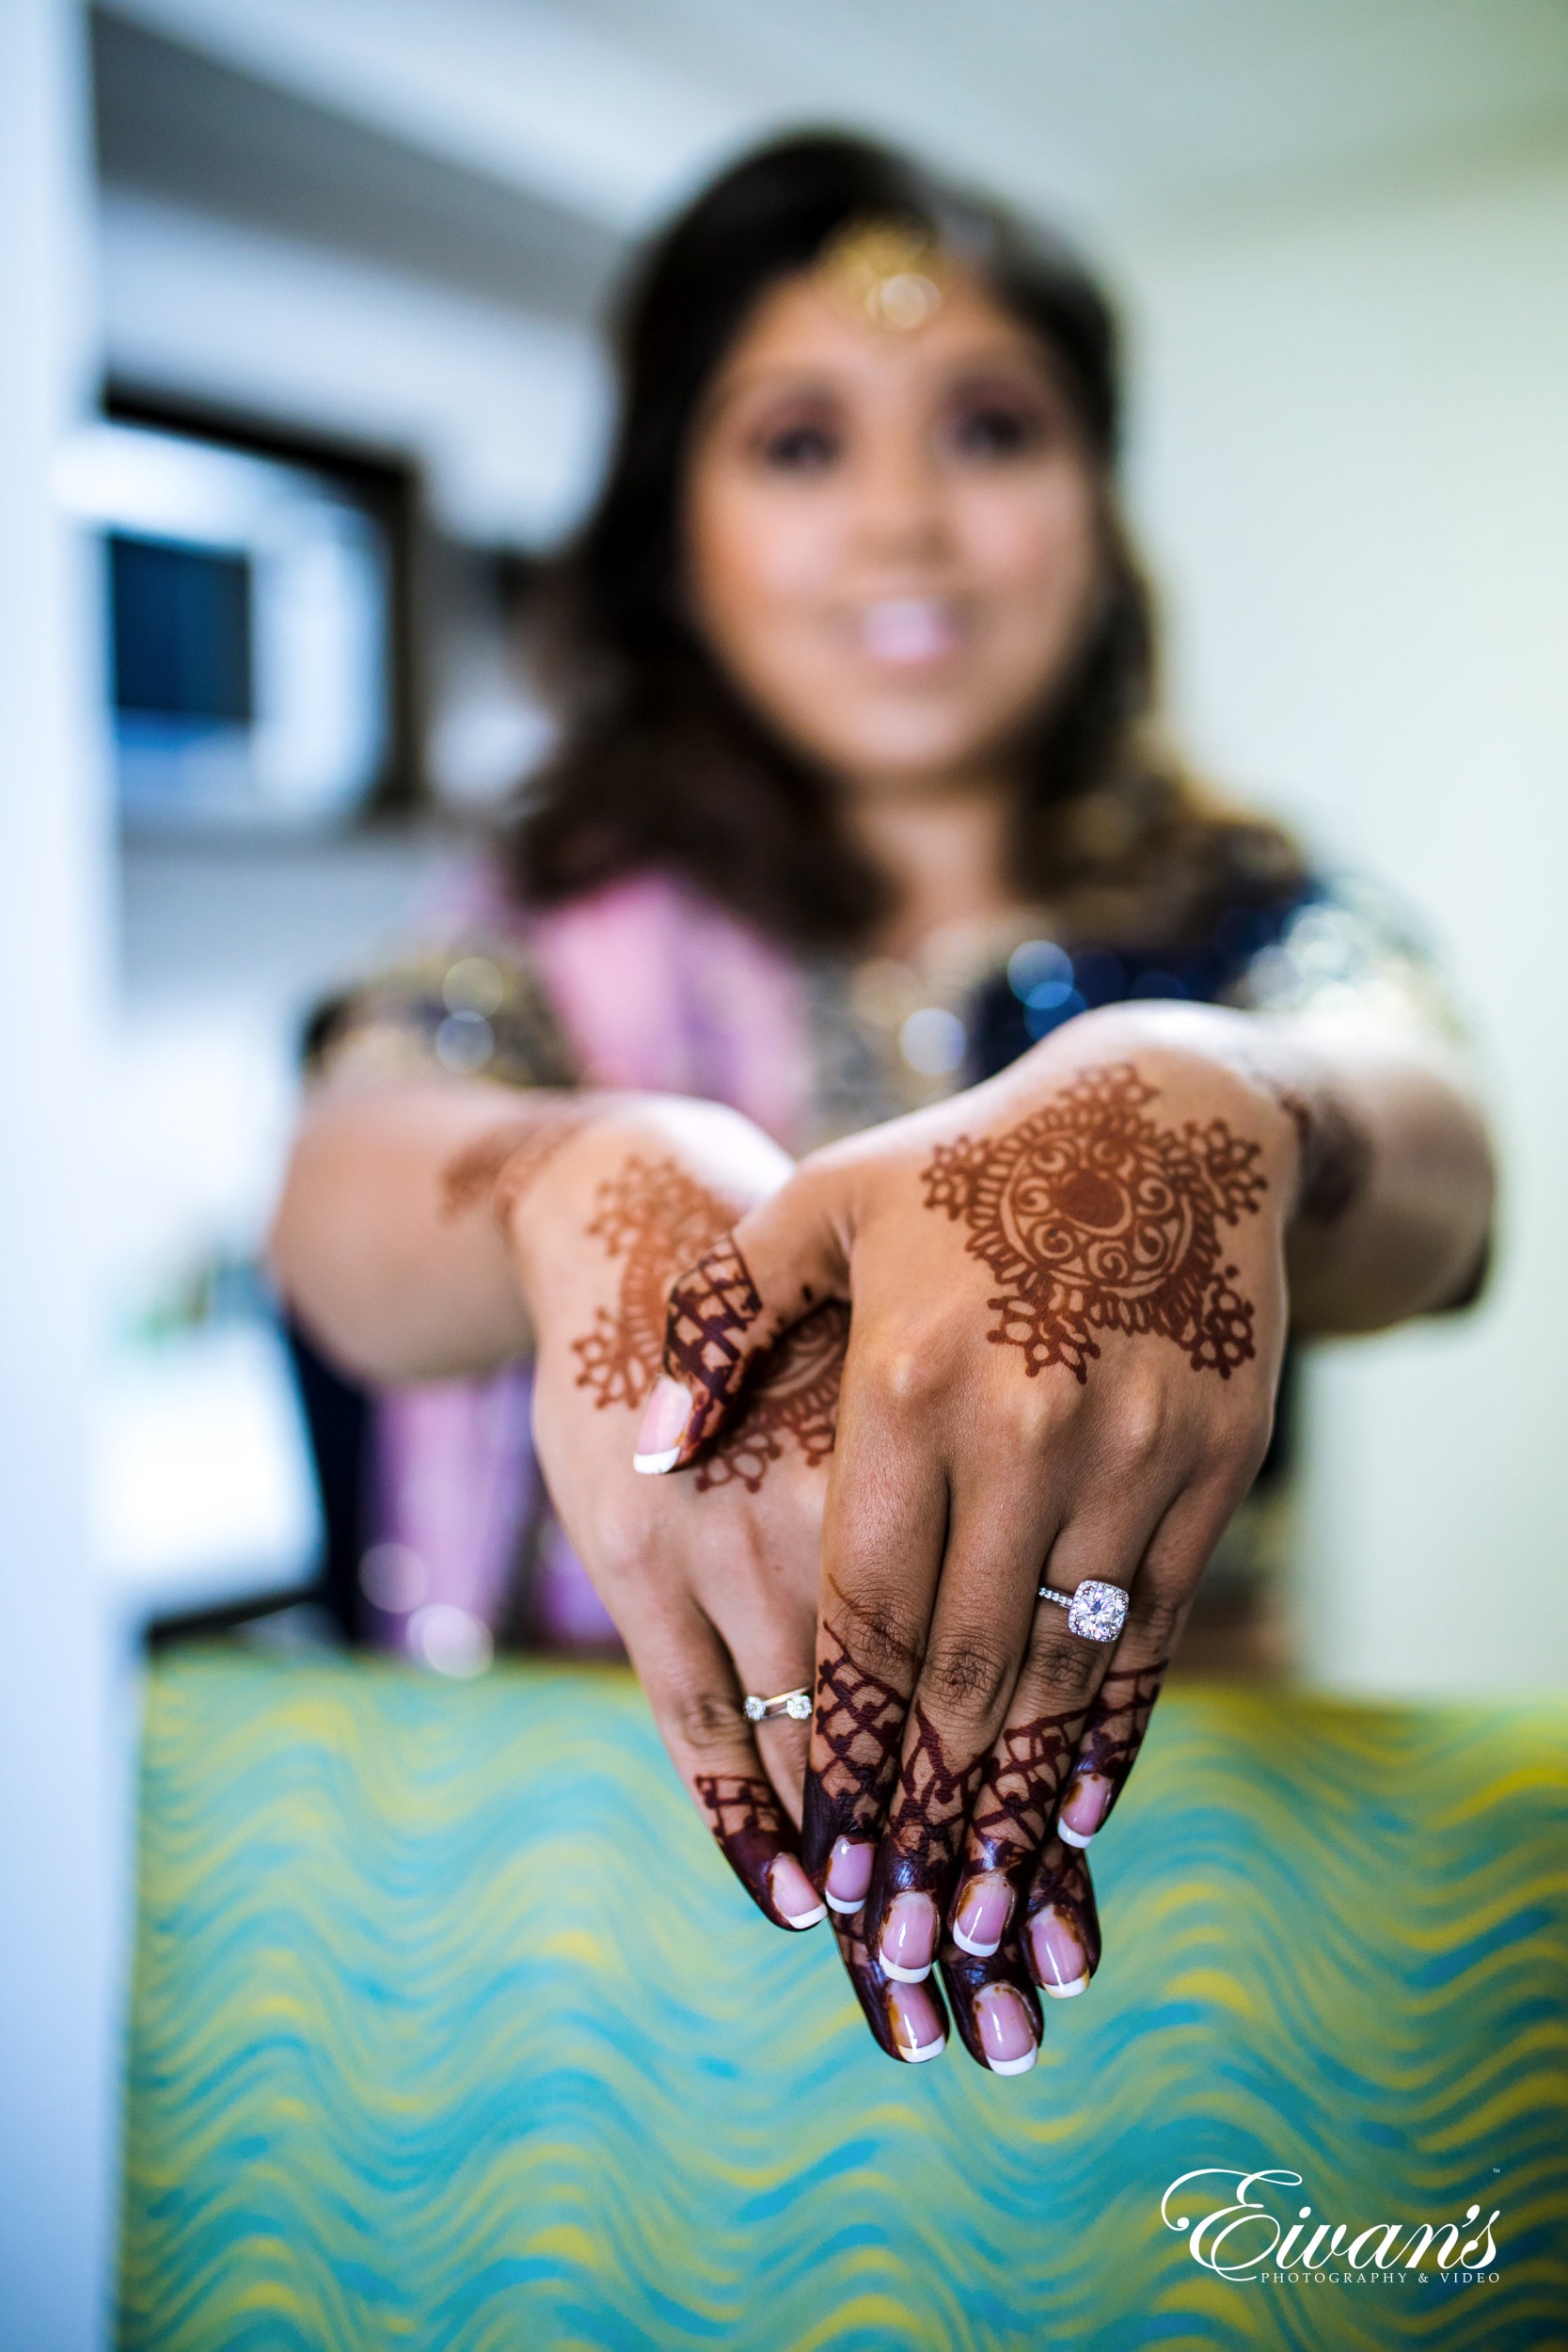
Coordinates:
x,y
661,764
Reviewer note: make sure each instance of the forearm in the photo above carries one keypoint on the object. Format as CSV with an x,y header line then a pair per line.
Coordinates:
x,y
384,1241
1395,1181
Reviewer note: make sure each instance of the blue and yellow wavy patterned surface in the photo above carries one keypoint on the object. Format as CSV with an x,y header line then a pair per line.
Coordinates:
x,y
451,2032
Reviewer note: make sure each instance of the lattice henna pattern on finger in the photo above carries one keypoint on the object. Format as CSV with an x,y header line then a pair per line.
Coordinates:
x,y
712,1307
1018,1800
796,1398
750,1825
1116,1723
926,1828
859,1720
1092,1217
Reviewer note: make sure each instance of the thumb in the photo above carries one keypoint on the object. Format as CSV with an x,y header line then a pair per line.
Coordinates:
x,y
728,1311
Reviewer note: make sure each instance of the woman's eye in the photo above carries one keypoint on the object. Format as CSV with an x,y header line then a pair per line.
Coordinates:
x,y
996,429
800,449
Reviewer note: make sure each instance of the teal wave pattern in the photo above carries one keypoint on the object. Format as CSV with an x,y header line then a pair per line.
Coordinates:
x,y
451,2031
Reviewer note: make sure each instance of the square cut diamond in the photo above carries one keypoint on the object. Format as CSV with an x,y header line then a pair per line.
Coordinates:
x,y
1099,1611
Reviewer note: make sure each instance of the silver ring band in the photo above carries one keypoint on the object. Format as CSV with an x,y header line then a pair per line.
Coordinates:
x,y
1095,1611
795,1704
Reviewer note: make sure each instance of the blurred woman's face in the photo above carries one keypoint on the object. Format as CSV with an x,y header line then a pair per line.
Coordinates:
x,y
893,539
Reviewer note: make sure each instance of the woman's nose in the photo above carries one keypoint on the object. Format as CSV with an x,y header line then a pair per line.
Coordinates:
x,y
902,510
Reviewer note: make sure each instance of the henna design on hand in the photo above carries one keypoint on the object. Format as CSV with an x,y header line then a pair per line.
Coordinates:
x,y
1094,1219
711,1309
796,1398
1114,1732
654,1219
1062,1883
927,1824
751,1828
501,1165
859,1719
1018,1800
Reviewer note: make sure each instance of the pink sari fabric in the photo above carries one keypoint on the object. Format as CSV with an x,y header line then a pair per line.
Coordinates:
x,y
657,990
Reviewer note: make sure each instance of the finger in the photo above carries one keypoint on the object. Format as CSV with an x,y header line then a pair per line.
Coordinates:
x,y
726,1312
998,1658
1060,1932
1054,1704
995,2007
908,2021
691,1682
880,1561
1114,1731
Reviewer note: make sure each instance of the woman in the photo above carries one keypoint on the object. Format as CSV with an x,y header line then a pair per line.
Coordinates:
x,y
856,800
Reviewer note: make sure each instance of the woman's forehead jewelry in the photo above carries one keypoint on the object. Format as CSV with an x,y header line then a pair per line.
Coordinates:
x,y
1095,1612
795,1704
888,272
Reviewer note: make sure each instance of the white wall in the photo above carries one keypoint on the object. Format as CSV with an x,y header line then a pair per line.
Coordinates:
x,y
1354,469
61,1829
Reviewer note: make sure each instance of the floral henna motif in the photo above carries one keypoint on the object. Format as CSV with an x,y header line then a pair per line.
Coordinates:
x,y
653,1219
859,1720
498,1169
796,1398
711,1309
749,1822
1092,1217
1018,1801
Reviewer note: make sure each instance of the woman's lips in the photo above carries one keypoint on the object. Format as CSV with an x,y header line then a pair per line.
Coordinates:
x,y
908,632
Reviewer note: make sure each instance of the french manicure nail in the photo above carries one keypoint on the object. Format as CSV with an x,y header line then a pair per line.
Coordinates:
x,y
981,1920
658,1440
849,1873
1061,1963
1006,2029
909,1942
916,2024
795,1898
1088,1801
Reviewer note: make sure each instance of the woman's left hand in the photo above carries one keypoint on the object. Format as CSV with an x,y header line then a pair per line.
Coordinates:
x,y
1068,1312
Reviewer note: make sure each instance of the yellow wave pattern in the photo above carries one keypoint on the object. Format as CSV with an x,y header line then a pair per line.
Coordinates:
x,y
451,2031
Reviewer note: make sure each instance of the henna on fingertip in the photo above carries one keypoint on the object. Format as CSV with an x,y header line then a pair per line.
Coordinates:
x,y
995,2007
1007,1825
1060,1929
711,1344
918,1857
907,2021
855,1741
753,1836
1108,1748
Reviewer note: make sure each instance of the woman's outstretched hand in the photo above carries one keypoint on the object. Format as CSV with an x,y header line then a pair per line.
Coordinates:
x,y
1069,1311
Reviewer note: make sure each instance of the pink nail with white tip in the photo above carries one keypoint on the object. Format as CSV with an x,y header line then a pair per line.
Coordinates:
x,y
1061,1964
658,1440
981,1920
1087,1804
909,1943
794,1898
916,2024
849,1873
1005,2030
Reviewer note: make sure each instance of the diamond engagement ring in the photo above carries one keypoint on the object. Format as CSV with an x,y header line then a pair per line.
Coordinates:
x,y
795,1704
1097,1612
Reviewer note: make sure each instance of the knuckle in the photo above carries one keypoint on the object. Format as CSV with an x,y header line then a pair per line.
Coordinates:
x,y
1060,1669
1142,1430
706,1720
909,1379
968,1676
1160,1615
881,1640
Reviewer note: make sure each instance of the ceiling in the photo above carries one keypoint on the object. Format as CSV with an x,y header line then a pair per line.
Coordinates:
x,y
1121,115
